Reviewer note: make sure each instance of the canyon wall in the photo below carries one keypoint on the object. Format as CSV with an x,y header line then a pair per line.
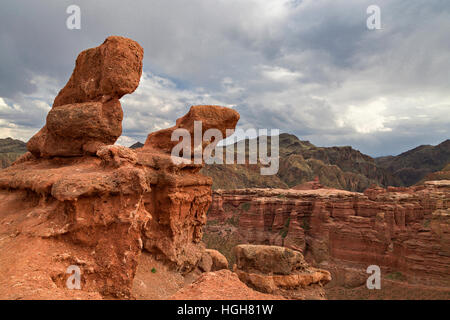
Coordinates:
x,y
405,231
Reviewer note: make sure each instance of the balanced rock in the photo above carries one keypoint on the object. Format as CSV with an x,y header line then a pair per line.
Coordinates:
x,y
106,72
87,113
211,117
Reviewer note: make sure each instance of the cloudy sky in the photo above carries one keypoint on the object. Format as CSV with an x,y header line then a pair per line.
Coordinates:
x,y
307,67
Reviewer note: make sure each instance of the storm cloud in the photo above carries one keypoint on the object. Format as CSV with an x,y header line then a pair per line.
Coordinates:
x,y
311,67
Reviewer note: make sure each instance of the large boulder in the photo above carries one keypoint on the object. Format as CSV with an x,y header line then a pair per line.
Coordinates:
x,y
77,129
219,261
268,259
211,117
280,271
108,71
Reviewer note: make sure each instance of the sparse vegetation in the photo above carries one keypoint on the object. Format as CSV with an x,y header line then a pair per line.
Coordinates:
x,y
397,275
284,231
153,270
212,222
234,221
305,224
245,206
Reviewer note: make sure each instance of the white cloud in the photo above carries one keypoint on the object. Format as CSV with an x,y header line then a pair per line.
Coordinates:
x,y
366,118
157,103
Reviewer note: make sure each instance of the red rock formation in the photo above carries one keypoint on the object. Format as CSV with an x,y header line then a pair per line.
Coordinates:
x,y
211,117
279,270
106,72
310,185
76,200
87,114
219,261
404,230
220,285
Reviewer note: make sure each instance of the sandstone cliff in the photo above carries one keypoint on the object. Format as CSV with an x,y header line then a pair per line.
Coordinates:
x,y
405,231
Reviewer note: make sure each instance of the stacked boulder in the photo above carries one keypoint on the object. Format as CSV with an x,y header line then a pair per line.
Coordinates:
x,y
87,114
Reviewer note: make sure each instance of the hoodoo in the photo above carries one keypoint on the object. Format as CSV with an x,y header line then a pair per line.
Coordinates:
x,y
75,199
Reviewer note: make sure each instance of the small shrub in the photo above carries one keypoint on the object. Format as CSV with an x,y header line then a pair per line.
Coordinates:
x,y
153,270
245,206
284,231
306,225
395,276
212,222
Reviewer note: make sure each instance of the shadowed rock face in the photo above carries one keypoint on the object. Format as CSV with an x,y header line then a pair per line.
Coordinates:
x,y
86,114
413,165
78,200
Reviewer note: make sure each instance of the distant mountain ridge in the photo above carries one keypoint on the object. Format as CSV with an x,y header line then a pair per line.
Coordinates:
x,y
136,145
337,167
414,165
10,150
301,161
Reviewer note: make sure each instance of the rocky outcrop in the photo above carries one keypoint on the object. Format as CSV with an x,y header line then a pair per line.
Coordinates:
x,y
86,114
279,270
403,230
310,185
207,117
220,285
76,201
